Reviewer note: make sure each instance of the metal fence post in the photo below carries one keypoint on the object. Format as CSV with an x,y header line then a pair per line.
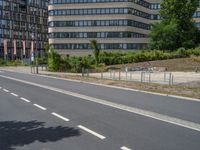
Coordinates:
x,y
149,77
142,74
113,74
101,74
164,76
87,70
170,79
119,75
130,75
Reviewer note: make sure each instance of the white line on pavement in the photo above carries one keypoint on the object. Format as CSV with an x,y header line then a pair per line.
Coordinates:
x,y
91,132
24,99
142,112
14,94
111,86
41,107
123,88
125,148
59,116
6,90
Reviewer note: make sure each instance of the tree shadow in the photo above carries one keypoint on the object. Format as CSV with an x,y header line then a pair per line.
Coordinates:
x,y
13,133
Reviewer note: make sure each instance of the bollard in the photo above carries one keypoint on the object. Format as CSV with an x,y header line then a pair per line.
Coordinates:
x,y
37,71
31,69
83,72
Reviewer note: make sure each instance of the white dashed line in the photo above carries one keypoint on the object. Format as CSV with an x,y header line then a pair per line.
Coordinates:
x,y
125,148
41,107
91,132
5,90
14,94
59,116
24,99
0,87
135,110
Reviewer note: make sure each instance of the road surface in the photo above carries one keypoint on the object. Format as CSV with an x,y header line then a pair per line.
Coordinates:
x,y
42,113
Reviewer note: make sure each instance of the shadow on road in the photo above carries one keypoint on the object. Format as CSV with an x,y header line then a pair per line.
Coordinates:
x,y
13,133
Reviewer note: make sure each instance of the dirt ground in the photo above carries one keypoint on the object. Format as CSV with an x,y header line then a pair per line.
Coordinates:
x,y
179,90
181,64
182,68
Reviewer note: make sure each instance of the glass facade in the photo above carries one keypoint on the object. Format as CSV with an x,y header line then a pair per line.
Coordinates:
x,y
115,24
107,46
96,35
139,2
80,22
99,23
100,11
23,20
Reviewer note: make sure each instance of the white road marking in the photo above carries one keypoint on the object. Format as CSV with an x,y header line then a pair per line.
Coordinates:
x,y
142,112
0,87
6,90
24,99
125,148
110,86
14,94
59,116
41,107
91,132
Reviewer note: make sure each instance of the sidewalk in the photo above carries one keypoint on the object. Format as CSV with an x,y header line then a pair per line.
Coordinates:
x,y
182,89
179,78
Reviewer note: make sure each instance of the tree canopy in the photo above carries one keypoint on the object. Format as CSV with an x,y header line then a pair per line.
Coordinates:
x,y
176,28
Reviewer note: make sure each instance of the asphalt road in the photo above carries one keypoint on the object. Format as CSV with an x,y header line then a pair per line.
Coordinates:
x,y
36,118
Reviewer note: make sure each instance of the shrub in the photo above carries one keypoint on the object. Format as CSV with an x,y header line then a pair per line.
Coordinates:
x,y
2,62
54,60
181,53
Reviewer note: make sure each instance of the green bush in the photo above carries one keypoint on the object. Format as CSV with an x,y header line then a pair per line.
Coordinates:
x,y
76,63
10,62
42,60
2,62
54,60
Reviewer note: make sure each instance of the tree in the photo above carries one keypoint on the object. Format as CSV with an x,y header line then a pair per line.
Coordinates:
x,y
176,28
163,37
96,50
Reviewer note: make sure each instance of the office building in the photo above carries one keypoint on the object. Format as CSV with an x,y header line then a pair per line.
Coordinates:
x,y
23,21
115,24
